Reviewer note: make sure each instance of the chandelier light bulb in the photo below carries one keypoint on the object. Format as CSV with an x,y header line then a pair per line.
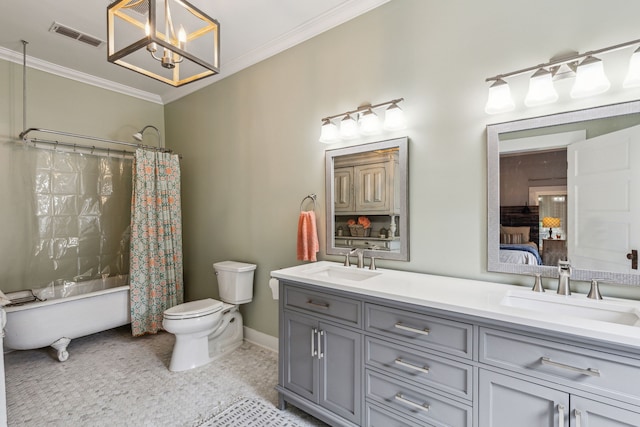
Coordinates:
x,y
590,78
541,89
182,38
499,100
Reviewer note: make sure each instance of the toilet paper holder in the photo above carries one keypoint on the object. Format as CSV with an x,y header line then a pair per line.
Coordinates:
x,y
274,284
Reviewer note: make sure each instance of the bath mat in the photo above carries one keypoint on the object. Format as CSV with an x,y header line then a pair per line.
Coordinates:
x,y
250,413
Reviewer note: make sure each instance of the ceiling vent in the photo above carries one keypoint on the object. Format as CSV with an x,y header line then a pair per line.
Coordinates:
x,y
63,30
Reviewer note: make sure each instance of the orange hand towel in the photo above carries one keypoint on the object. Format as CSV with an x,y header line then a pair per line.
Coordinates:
x,y
307,236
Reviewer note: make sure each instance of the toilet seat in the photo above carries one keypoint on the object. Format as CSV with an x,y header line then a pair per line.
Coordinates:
x,y
193,309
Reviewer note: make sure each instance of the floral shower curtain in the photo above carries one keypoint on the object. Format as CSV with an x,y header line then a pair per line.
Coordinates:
x,y
156,240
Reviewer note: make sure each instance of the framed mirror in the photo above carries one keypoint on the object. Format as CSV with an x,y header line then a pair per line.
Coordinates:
x,y
566,187
367,199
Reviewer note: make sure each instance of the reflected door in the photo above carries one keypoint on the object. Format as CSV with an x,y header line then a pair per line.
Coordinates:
x,y
603,178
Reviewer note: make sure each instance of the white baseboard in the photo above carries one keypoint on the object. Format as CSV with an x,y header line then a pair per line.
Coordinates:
x,y
261,339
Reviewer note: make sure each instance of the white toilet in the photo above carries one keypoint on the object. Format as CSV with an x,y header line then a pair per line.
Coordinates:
x,y
207,329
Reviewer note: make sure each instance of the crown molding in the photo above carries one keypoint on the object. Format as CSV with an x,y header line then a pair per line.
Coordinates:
x,y
58,70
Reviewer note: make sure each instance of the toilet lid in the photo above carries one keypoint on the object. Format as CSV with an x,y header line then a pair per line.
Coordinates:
x,y
194,309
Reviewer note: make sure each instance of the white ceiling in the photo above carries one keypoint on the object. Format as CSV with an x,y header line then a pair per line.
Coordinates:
x,y
250,31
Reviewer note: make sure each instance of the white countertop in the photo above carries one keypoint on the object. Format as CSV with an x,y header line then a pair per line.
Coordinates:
x,y
476,298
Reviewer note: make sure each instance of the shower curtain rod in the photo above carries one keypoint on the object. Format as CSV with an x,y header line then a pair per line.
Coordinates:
x,y
26,139
92,148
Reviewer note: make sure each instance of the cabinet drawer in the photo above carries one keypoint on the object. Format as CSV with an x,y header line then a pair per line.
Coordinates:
x,y
378,417
324,305
578,367
419,329
424,368
423,405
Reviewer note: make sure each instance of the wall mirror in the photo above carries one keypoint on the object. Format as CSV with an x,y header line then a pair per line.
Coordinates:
x,y
566,187
367,199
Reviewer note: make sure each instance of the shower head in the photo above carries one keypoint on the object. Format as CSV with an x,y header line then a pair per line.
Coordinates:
x,y
138,135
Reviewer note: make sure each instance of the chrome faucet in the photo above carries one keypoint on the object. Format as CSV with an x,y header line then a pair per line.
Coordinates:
x,y
360,254
564,272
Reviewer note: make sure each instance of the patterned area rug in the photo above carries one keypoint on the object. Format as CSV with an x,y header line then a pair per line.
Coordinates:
x,y
250,413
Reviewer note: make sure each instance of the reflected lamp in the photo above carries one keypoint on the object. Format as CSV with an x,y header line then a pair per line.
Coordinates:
x,y
551,223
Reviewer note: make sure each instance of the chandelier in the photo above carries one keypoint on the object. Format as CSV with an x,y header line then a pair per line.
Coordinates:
x,y
168,40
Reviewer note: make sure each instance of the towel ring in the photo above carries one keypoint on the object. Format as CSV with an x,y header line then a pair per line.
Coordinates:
x,y
311,196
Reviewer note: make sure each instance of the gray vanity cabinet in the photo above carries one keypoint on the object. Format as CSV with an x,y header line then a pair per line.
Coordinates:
x,y
591,413
561,378
505,401
354,360
322,356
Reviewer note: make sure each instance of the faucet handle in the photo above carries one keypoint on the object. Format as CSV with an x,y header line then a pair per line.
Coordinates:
x,y
537,285
372,265
594,292
347,261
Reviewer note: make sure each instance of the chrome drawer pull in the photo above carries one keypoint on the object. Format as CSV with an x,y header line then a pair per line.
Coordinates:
x,y
313,342
320,344
321,305
423,407
424,331
578,418
401,362
560,415
584,371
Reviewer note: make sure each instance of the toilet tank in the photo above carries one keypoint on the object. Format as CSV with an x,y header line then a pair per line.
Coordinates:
x,y
235,281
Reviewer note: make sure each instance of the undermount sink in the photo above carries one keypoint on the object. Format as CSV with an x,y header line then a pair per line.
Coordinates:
x,y
622,312
342,273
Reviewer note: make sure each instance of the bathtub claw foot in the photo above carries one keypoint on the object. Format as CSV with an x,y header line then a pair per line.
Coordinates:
x,y
61,347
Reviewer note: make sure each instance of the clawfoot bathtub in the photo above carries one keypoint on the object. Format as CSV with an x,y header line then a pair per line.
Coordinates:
x,y
71,310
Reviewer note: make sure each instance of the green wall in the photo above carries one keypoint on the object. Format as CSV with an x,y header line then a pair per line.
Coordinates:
x,y
250,141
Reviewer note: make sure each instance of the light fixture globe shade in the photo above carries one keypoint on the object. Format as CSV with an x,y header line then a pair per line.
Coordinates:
x,y
541,89
369,123
499,100
348,128
590,78
329,132
633,75
394,118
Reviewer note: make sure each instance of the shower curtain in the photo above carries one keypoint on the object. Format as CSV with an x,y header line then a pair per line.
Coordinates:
x,y
155,274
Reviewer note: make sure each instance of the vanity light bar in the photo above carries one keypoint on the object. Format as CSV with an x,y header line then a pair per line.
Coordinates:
x,y
362,121
589,72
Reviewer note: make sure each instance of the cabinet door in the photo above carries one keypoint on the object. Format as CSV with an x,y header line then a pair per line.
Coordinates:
x,y
372,188
589,413
300,364
507,402
343,190
340,356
